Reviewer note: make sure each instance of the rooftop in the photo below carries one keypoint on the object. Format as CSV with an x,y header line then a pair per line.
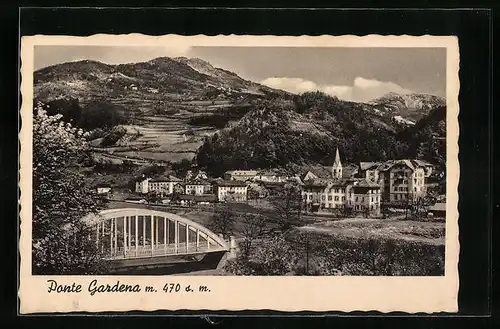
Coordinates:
x,y
199,198
197,181
242,172
440,206
165,178
235,183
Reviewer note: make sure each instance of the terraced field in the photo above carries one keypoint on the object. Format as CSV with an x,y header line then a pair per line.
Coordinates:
x,y
157,137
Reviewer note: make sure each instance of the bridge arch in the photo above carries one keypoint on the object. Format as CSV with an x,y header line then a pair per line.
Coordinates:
x,y
141,233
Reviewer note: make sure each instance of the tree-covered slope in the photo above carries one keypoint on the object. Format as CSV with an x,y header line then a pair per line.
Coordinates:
x,y
308,129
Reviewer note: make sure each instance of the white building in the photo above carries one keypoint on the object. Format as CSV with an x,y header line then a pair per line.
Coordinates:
x,y
197,187
241,175
103,189
163,185
141,186
231,190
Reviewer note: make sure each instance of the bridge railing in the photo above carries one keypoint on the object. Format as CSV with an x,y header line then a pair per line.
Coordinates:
x,y
162,250
131,233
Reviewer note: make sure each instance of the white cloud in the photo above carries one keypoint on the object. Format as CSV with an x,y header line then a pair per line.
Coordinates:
x,y
365,90
298,85
362,89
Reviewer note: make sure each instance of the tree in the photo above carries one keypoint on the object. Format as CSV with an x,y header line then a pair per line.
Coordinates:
x,y
223,221
253,227
275,257
62,197
287,203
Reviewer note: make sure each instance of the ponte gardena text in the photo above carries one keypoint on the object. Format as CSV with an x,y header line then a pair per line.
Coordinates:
x,y
93,287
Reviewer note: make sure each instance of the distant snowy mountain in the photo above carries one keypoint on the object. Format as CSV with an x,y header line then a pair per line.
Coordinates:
x,y
407,106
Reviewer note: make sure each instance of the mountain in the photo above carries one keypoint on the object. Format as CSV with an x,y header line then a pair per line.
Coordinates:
x,y
157,102
308,129
407,108
161,78
170,109
304,130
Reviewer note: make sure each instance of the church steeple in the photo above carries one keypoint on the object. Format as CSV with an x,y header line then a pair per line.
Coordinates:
x,y
337,166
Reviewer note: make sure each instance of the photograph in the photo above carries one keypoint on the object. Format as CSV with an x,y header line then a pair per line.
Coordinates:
x,y
239,160
239,156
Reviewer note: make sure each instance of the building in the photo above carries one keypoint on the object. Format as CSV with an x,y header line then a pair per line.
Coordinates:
x,y
338,192
197,187
400,180
272,176
103,189
163,185
192,174
364,196
241,175
337,166
428,168
438,210
230,190
142,185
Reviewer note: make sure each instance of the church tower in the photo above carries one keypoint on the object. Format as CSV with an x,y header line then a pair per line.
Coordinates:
x,y
337,166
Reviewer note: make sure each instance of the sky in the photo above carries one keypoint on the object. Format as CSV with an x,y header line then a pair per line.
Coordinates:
x,y
358,74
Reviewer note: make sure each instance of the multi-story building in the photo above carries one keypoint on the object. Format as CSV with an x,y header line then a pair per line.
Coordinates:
x,y
338,192
191,175
163,185
364,196
231,190
198,187
272,176
400,180
141,185
241,175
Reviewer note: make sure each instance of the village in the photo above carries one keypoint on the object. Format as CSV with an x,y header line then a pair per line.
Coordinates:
x,y
365,189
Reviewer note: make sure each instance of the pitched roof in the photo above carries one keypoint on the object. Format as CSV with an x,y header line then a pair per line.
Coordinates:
x,y
440,206
319,171
198,181
319,182
242,172
368,165
167,178
365,183
235,183
337,157
423,163
386,165
349,170
102,185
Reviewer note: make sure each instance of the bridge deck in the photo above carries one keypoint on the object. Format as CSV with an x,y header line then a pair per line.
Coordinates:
x,y
163,250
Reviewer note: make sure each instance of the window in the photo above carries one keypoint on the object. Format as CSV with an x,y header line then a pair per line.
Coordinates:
x,y
336,198
343,198
323,197
372,199
310,196
356,199
329,198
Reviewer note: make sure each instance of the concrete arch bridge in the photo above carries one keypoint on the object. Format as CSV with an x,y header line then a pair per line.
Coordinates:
x,y
132,237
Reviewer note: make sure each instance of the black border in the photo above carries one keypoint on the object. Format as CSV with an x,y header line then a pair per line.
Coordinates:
x,y
473,27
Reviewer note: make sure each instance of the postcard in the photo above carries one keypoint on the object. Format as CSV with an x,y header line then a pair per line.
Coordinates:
x,y
239,172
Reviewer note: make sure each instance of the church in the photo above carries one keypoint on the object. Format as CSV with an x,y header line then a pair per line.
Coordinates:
x,y
339,190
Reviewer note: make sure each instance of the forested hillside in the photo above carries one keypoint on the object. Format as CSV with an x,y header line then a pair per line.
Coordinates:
x,y
310,127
